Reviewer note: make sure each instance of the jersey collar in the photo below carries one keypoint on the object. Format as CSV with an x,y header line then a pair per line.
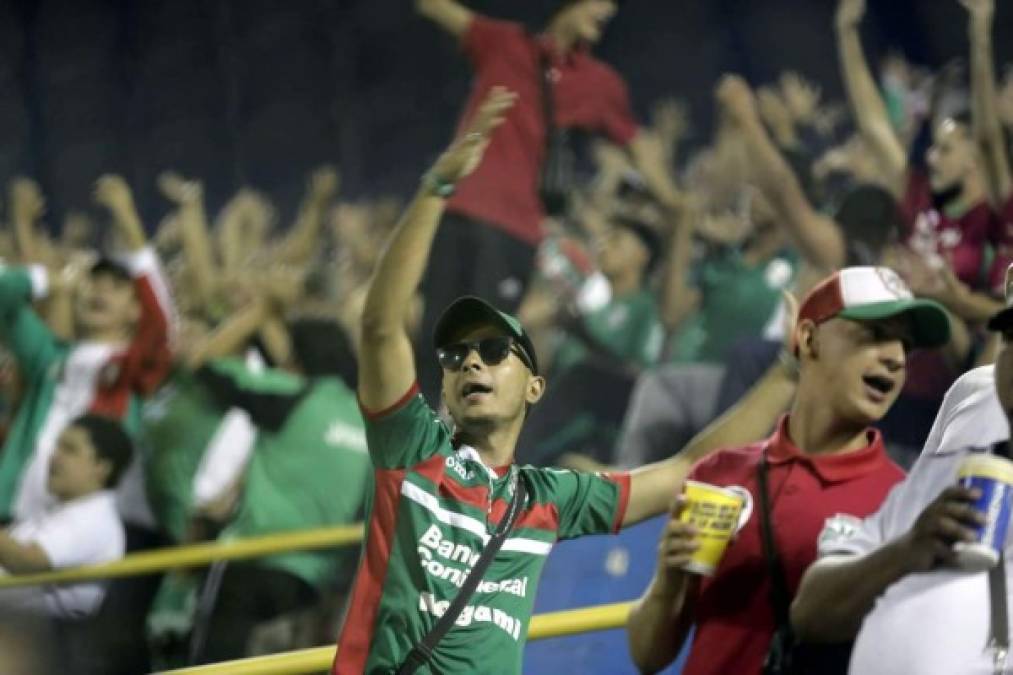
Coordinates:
x,y
469,453
832,468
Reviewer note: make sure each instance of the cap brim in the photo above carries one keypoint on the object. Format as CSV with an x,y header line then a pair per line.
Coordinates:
x,y
930,326
1002,320
469,312
466,313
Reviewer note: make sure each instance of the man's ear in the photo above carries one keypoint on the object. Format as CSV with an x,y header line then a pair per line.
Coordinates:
x,y
535,389
104,469
807,339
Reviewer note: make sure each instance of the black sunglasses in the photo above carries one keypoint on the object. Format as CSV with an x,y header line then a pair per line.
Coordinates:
x,y
491,350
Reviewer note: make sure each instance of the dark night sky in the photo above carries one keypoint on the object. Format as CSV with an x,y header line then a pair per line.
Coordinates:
x,y
260,91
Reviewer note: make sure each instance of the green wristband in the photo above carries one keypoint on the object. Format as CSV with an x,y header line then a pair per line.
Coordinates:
x,y
437,186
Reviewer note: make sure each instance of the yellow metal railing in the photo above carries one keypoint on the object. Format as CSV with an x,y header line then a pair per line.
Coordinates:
x,y
319,659
195,555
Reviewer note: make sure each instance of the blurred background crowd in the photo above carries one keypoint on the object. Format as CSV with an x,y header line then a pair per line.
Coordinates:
x,y
250,159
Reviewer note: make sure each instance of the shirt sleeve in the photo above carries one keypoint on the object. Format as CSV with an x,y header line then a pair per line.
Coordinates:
x,y
1001,238
588,503
149,357
485,38
32,342
405,434
617,121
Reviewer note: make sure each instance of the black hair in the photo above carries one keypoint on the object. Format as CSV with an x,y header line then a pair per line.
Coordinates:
x,y
110,441
647,235
321,347
870,220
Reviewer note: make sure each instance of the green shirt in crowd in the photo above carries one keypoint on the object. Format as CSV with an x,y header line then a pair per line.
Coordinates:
x,y
737,301
309,467
179,423
627,326
434,507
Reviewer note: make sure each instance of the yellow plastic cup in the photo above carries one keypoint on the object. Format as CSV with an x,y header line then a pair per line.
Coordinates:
x,y
717,513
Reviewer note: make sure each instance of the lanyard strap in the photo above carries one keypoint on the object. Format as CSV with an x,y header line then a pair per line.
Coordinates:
x,y
779,597
423,650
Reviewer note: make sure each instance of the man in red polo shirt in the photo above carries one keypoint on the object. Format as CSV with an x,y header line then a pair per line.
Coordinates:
x,y
852,337
487,239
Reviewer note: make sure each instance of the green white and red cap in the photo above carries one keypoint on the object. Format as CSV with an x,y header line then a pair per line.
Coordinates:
x,y
871,293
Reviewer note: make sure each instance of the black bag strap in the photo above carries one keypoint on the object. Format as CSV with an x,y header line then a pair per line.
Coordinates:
x,y
998,631
548,97
779,596
423,650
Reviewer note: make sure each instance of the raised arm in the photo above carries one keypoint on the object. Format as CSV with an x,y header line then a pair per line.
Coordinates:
x,y
193,227
650,158
653,486
988,128
112,192
26,207
678,298
386,364
816,236
300,244
449,15
148,358
749,420
867,105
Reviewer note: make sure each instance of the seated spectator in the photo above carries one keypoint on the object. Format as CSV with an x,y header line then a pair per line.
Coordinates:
x,y
852,337
83,528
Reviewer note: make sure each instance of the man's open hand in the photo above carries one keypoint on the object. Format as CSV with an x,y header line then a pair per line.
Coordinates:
x,y
465,153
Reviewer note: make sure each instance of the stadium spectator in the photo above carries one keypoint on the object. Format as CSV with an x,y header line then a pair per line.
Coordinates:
x,y
310,434
491,378
934,619
122,314
494,220
82,528
853,333
604,350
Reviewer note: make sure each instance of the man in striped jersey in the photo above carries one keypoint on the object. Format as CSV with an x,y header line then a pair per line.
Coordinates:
x,y
441,490
122,315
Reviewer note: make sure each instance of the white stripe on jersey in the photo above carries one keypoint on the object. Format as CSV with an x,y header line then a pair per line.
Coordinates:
x,y
469,524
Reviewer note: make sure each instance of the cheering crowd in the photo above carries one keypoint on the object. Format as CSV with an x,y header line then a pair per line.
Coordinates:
x,y
809,307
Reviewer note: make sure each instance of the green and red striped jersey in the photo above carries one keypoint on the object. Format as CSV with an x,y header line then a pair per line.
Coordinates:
x,y
435,505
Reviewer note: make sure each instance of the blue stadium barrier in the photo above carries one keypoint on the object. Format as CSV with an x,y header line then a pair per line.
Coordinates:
x,y
592,571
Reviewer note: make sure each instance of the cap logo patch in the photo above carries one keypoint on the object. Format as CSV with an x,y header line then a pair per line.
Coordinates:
x,y
894,285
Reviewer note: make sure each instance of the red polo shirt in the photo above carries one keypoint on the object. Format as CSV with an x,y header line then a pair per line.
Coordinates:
x,y
590,95
734,617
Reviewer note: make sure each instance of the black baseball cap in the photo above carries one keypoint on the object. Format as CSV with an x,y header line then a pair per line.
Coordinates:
x,y
470,311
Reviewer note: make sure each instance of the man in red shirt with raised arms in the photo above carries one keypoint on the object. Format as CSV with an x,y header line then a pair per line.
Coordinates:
x,y
486,242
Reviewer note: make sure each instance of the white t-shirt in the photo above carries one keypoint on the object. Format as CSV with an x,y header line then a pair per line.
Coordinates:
x,y
935,623
85,531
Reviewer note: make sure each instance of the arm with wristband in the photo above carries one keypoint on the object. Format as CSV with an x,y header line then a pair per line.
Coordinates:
x,y
386,364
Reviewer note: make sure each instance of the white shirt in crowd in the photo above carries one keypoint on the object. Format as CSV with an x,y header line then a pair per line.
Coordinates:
x,y
85,531
935,623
